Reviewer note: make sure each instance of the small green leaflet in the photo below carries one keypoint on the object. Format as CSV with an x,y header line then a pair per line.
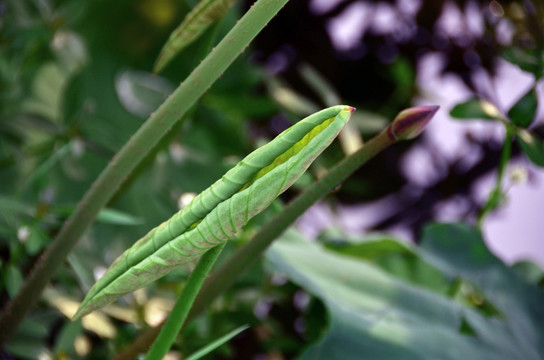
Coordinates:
x,y
217,213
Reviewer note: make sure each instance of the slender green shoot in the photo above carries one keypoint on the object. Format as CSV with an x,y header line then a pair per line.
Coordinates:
x,y
177,317
217,343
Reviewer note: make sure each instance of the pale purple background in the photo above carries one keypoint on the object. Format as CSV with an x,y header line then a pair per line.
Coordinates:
x,y
514,232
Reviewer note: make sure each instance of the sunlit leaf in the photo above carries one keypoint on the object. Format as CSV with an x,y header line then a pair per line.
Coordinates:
x,y
375,315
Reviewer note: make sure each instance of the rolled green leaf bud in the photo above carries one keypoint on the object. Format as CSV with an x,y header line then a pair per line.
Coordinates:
x,y
410,123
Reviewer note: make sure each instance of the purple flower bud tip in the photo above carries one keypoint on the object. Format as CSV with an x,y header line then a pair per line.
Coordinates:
x,y
351,109
410,123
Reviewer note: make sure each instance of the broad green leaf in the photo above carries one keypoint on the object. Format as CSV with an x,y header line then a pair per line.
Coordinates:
x,y
532,146
475,109
524,111
459,251
217,343
374,315
217,213
194,24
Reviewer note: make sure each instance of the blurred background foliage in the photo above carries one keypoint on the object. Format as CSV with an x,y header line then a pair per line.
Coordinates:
x,y
76,81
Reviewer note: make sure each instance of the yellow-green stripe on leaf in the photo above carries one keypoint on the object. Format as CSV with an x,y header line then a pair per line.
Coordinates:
x,y
221,210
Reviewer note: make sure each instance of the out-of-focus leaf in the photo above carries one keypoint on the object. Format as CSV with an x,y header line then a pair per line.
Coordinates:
x,y
28,341
373,315
43,170
530,271
106,216
320,85
116,217
217,343
13,280
459,251
532,146
475,109
524,111
65,343
290,99
194,24
35,241
96,322
397,258
141,92
526,59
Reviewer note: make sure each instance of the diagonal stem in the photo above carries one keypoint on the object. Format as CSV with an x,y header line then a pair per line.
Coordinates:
x,y
132,153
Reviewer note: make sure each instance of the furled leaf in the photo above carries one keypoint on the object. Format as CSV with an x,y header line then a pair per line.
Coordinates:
x,y
375,315
217,213
475,109
194,24
524,111
532,146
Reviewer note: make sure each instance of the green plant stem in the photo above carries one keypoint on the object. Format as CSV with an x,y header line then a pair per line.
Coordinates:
x,y
177,317
233,267
496,194
124,162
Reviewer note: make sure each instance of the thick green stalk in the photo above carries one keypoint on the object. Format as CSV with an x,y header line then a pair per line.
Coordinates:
x,y
407,125
177,317
121,166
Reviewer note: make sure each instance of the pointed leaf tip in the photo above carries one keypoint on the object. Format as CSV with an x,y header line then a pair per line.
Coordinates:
x,y
410,123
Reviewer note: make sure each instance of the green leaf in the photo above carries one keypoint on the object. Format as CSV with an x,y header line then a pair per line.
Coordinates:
x,y
218,212
374,315
106,216
530,271
475,109
116,217
141,92
28,342
524,111
532,146
193,25
217,343
397,258
526,59
13,280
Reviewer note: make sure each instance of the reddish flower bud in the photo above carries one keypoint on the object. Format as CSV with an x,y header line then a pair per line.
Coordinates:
x,y
410,123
